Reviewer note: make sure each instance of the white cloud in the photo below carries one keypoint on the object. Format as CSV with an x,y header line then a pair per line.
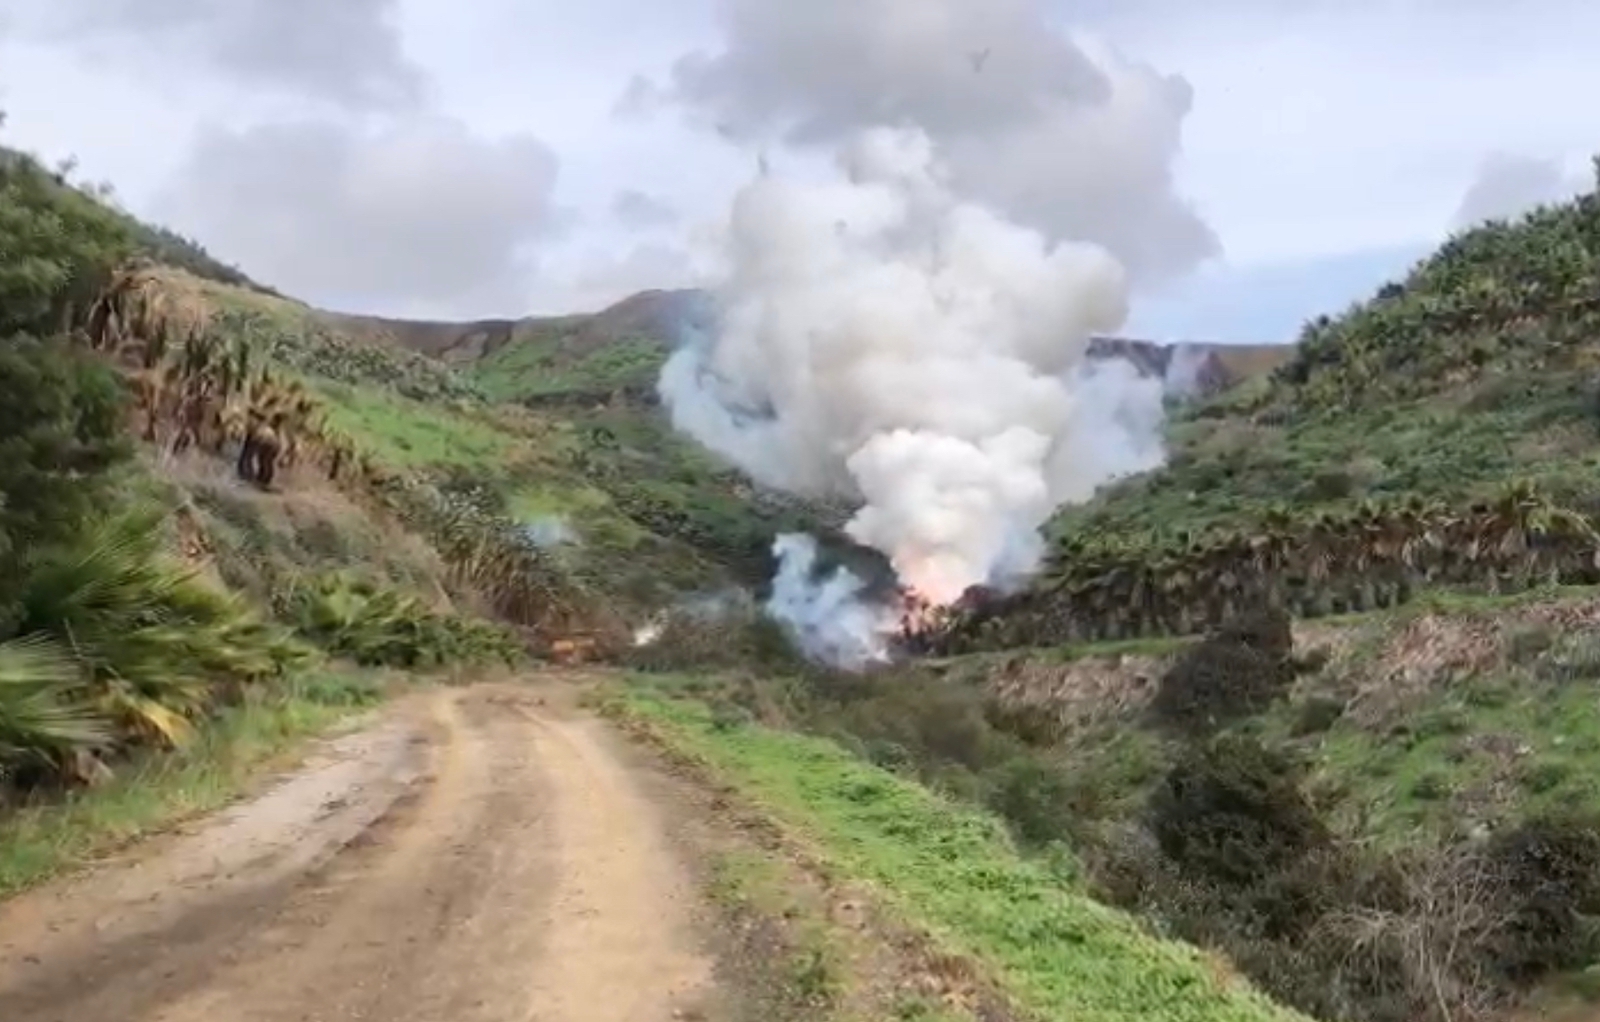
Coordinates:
x,y
1314,129
1325,128
636,209
422,214
347,52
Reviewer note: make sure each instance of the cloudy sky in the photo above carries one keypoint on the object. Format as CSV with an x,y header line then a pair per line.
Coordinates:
x,y
1252,162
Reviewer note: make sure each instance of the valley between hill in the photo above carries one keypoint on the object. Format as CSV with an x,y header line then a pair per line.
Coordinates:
x,y
1307,714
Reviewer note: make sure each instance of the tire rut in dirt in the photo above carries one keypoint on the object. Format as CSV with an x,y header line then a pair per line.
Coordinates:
x,y
528,878
125,938
430,917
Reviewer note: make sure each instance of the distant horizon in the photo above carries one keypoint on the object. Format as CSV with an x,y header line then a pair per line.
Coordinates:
x,y
1259,305
1121,335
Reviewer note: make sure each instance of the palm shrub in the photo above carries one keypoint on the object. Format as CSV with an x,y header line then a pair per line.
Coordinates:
x,y
154,647
376,625
42,720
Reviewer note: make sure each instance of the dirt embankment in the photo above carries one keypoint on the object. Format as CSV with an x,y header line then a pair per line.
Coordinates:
x,y
478,856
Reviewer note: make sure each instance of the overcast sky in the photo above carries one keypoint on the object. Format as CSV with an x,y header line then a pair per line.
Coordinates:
x,y
1253,162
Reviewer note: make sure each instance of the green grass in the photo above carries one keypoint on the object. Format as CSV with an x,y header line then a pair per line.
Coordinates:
x,y
161,789
537,366
1421,772
1495,748
953,871
811,970
409,434
1516,739
647,505
1226,469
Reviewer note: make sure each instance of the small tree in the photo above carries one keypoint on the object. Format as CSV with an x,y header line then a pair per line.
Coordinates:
x,y
61,434
57,247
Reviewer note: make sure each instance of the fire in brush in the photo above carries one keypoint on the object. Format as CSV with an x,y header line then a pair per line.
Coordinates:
x,y
923,619
884,343
919,616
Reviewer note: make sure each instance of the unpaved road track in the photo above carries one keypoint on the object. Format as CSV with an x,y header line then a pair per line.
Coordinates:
x,y
475,857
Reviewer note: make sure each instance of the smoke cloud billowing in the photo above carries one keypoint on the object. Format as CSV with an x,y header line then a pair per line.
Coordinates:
x,y
1057,133
549,531
1182,377
884,342
827,617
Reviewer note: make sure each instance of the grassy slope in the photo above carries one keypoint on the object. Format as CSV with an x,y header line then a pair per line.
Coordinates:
x,y
1452,717
1476,368
1434,408
952,871
652,515
1447,713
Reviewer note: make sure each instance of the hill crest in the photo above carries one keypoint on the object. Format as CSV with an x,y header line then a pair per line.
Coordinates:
x,y
658,318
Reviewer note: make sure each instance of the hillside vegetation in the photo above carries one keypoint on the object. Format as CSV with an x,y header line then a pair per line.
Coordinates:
x,y
953,870
207,487
1441,433
1319,694
150,598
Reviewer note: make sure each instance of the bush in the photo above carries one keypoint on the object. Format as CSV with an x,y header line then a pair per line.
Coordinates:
x,y
154,644
1037,798
61,435
114,647
1343,932
57,247
42,720
1237,672
1547,881
375,625
1233,811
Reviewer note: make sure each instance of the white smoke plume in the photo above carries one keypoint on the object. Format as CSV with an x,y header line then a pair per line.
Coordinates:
x,y
883,341
728,603
1054,129
1117,423
827,617
1184,368
549,531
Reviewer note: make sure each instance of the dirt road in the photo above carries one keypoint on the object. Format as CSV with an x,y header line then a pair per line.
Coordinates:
x,y
476,857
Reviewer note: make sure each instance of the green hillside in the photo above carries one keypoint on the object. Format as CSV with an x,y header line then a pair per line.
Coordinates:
x,y
1383,810
1435,434
1346,805
1317,696
405,498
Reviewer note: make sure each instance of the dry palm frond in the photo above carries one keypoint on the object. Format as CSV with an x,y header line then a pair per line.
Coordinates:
x,y
138,317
